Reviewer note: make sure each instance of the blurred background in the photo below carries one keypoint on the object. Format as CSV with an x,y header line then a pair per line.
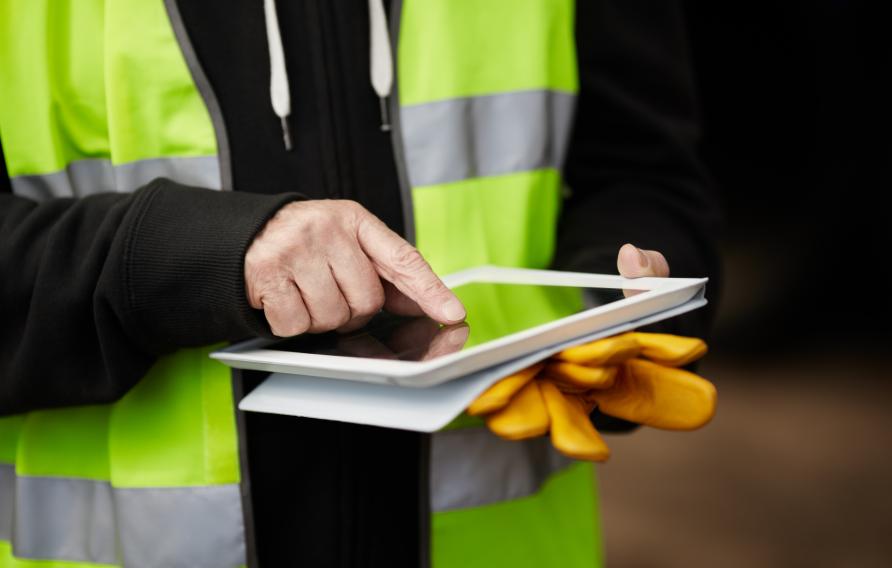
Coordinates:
x,y
796,468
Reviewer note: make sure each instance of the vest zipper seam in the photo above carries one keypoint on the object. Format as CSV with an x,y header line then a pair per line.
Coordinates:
x,y
396,131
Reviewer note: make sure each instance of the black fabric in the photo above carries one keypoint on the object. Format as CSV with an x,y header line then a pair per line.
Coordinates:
x,y
339,149
323,493
5,186
633,166
336,494
95,289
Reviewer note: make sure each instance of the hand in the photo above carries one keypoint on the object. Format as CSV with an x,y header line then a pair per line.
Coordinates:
x,y
633,262
330,264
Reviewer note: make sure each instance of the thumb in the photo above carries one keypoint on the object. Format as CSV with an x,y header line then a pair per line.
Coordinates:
x,y
633,262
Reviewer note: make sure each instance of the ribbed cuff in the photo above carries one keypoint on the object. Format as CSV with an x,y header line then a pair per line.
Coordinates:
x,y
184,263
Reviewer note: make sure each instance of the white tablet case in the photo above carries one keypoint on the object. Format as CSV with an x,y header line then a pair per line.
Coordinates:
x,y
418,409
659,294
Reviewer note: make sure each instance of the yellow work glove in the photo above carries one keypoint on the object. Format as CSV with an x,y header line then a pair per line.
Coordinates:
x,y
633,376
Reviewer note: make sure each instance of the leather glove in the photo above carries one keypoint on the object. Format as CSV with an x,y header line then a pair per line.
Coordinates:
x,y
633,376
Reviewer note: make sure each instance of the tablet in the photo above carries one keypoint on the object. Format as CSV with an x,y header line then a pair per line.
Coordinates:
x,y
510,312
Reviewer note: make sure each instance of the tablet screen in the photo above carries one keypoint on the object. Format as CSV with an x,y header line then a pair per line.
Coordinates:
x,y
494,310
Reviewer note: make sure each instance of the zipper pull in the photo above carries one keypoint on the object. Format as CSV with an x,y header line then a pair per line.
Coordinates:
x,y
385,114
286,133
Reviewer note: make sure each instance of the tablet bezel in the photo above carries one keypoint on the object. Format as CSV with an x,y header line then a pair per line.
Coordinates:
x,y
658,294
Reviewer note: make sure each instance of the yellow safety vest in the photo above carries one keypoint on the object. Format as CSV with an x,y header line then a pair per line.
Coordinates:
x,y
107,95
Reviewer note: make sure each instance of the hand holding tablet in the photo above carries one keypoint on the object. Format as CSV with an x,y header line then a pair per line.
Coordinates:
x,y
511,312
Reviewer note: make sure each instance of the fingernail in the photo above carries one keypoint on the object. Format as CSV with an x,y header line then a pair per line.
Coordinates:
x,y
642,258
454,310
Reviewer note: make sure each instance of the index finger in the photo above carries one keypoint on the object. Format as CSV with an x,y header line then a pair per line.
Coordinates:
x,y
401,264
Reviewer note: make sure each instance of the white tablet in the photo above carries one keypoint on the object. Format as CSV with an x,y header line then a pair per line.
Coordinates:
x,y
511,312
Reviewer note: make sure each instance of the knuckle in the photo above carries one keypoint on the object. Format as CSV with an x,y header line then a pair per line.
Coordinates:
x,y
284,322
283,308
299,326
350,206
341,318
319,221
331,319
432,292
351,213
369,304
269,274
283,330
407,259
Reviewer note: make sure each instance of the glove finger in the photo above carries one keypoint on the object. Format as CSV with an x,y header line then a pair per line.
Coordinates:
x,y
524,417
565,388
580,400
671,350
607,351
658,396
498,395
572,433
580,376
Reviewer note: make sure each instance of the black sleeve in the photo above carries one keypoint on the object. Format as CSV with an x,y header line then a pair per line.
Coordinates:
x,y
633,171
94,289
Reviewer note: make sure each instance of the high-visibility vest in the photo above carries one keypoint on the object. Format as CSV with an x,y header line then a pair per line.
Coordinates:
x,y
105,95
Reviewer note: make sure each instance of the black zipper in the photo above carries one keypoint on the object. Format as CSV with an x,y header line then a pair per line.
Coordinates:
x,y
396,132
321,23
337,185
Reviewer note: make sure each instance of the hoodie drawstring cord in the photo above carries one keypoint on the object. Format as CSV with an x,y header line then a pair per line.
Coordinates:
x,y
380,64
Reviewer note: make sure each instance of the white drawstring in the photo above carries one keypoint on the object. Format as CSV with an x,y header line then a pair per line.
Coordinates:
x,y
380,60
279,89
380,64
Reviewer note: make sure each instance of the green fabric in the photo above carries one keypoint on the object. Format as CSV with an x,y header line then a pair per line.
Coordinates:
x,y
558,526
10,426
464,420
462,48
73,77
177,426
68,442
508,220
7,561
164,116
73,74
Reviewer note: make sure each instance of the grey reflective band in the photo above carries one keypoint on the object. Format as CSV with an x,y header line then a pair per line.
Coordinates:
x,y
181,526
86,177
64,519
471,467
459,139
7,496
82,520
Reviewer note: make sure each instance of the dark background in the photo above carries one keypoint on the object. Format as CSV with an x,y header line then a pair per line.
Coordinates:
x,y
796,469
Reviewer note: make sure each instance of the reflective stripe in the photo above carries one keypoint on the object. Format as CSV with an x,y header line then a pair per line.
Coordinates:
x,y
85,520
458,139
86,177
182,526
7,494
64,519
471,467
